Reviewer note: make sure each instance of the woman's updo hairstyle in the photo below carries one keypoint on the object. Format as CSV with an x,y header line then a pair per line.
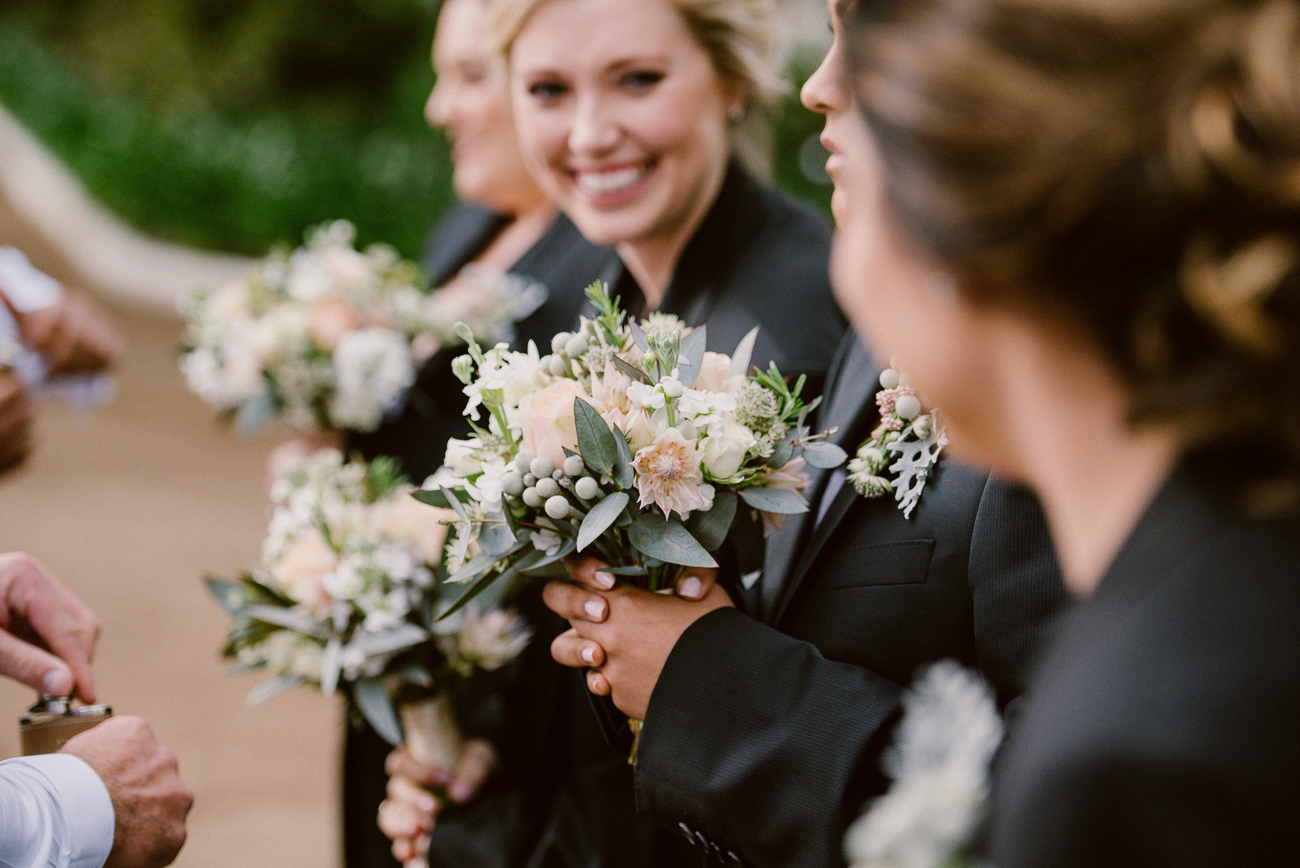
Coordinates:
x,y
1133,164
738,35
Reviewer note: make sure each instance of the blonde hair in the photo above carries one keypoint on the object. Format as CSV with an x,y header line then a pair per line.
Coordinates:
x,y
1134,163
738,35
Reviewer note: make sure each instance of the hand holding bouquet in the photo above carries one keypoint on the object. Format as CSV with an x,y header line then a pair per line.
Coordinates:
x,y
629,441
347,593
327,336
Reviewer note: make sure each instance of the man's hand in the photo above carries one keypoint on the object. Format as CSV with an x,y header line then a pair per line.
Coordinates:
x,y
15,421
47,634
408,815
624,634
149,799
73,336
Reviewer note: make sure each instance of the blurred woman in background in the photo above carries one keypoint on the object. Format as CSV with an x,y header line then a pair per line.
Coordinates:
x,y
1077,224
504,224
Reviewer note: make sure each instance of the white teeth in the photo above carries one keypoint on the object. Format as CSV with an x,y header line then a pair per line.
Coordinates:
x,y
610,182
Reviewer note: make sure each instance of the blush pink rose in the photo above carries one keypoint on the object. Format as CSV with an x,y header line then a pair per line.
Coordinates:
x,y
329,320
306,561
549,427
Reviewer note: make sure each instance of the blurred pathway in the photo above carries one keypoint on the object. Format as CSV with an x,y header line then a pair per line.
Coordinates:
x,y
132,505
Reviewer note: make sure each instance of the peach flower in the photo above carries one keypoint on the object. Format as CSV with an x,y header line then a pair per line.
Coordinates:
x,y
669,476
306,561
404,518
548,422
329,320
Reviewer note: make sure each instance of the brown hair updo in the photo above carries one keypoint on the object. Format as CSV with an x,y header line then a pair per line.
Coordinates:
x,y
1134,164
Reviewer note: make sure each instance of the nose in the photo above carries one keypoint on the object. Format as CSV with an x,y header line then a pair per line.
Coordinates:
x,y
594,129
824,91
437,110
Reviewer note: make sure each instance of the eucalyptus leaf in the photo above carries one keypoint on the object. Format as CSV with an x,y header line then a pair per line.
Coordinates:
x,y
823,455
331,666
454,503
274,686
638,335
777,500
566,548
496,538
782,452
626,571
376,706
230,595
480,584
284,618
637,374
432,498
690,358
744,351
555,570
623,474
667,540
595,441
601,516
398,638
476,565
254,413
710,528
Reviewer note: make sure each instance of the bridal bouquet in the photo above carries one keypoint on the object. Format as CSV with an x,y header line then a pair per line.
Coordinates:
x,y
628,441
328,336
348,590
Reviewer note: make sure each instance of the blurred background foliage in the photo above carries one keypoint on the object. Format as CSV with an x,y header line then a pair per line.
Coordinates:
x,y
235,124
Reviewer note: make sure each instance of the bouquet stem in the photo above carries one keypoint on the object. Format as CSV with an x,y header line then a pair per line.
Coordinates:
x,y
432,736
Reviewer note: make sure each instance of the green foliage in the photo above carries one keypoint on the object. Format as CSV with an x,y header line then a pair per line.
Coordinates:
x,y
231,125
238,124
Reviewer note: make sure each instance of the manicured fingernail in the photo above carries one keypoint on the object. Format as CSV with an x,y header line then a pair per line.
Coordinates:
x,y
690,588
56,683
604,579
595,609
460,791
589,655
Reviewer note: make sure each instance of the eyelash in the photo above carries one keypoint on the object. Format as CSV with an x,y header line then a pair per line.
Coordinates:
x,y
546,91
643,79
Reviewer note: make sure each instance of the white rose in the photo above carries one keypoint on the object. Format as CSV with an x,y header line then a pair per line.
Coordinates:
x,y
725,448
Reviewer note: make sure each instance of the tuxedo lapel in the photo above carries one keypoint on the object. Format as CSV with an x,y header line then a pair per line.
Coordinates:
x,y
848,407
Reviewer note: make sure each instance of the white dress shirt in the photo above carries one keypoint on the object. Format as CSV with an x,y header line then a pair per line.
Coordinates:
x,y
55,812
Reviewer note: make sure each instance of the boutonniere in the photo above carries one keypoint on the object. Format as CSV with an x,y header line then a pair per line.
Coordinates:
x,y
900,452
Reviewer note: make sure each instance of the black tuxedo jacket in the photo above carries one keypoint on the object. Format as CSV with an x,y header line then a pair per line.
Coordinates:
x,y
561,260
763,735
1162,729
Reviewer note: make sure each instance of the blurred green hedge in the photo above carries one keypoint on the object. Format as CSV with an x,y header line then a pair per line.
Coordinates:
x,y
234,124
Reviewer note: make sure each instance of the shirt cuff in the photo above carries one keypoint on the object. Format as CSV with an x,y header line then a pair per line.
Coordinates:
x,y
85,803
23,285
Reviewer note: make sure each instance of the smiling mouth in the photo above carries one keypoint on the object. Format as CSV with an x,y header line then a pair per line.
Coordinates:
x,y
603,186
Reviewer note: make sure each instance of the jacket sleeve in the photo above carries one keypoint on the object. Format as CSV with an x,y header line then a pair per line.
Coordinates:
x,y
760,744
1016,587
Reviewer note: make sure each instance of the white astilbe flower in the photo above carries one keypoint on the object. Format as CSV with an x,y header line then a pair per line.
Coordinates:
x,y
939,762
373,369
